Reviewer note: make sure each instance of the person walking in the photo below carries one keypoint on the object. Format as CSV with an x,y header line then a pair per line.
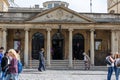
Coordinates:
x,y
86,61
20,66
5,62
1,56
110,66
116,67
13,67
41,60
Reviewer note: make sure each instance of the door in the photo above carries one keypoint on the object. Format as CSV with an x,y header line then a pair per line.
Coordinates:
x,y
78,46
57,47
37,44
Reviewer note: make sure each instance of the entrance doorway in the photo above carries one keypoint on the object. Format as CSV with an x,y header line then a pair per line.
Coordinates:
x,y
37,44
78,46
57,47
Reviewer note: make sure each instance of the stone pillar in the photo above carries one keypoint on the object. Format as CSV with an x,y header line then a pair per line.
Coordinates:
x,y
4,41
48,47
92,46
1,37
114,41
70,48
26,48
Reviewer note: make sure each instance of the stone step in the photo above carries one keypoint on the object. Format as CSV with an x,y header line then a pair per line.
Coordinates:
x,y
59,64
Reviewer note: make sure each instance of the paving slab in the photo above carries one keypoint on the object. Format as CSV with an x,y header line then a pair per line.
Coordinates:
x,y
33,74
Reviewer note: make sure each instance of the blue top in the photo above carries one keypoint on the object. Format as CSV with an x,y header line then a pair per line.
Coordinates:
x,y
1,56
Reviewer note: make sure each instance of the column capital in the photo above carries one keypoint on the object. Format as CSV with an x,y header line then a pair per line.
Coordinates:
x,y
48,29
92,30
70,29
4,29
113,30
26,29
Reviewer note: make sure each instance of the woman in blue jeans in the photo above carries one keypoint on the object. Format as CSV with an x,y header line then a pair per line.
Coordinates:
x,y
110,67
116,67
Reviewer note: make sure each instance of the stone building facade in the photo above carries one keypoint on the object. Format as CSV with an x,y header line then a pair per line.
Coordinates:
x,y
65,34
4,4
113,6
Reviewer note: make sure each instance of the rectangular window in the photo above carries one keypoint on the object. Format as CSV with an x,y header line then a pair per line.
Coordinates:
x,y
17,44
56,4
49,5
98,44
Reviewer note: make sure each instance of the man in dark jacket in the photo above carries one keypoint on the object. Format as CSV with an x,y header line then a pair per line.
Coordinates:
x,y
5,65
41,60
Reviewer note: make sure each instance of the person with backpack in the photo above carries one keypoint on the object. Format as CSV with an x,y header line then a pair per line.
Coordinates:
x,y
13,67
20,67
5,65
110,66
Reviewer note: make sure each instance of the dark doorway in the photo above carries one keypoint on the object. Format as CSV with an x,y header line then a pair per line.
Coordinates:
x,y
37,44
78,46
57,47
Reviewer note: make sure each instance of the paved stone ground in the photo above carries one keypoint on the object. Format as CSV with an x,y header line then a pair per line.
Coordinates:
x,y
33,74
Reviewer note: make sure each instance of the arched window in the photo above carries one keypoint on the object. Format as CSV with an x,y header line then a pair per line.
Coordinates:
x,y
112,11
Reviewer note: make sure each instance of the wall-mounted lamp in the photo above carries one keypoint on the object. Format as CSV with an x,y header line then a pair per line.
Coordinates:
x,y
17,33
95,34
59,32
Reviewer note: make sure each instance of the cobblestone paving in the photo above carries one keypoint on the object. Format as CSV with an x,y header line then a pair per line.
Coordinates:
x,y
32,74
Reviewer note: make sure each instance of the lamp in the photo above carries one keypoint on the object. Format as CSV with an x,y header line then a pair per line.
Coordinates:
x,y
95,34
17,33
59,32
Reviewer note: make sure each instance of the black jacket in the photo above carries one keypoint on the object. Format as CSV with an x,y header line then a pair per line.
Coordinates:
x,y
4,63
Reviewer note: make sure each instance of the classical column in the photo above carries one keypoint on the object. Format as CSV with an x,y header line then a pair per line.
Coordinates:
x,y
48,47
92,46
4,41
1,37
114,41
70,48
26,47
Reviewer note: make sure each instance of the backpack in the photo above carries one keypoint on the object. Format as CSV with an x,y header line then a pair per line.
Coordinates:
x,y
20,67
117,62
107,60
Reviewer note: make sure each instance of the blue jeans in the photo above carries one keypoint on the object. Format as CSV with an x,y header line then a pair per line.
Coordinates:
x,y
0,72
12,76
110,71
116,72
3,76
42,66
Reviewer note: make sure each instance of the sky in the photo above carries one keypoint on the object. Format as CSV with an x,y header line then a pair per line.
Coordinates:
x,y
98,6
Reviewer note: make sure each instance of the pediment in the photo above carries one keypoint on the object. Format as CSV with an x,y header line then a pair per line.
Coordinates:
x,y
60,14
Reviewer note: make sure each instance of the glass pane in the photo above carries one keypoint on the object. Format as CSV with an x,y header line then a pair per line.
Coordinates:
x,y
49,5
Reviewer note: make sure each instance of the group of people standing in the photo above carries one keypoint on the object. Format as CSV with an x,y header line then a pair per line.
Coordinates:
x,y
113,66
9,64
